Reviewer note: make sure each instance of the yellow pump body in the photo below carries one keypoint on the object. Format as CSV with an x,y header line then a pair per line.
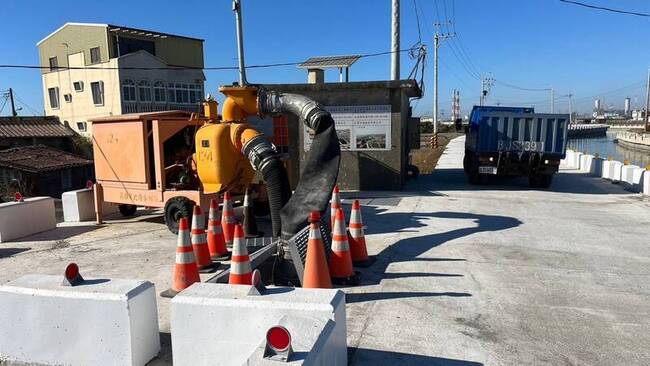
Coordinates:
x,y
220,163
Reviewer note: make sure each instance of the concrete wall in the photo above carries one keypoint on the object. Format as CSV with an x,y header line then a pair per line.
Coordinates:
x,y
360,170
102,322
20,219
79,206
221,324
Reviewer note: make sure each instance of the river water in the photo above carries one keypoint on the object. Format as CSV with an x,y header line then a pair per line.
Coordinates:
x,y
605,146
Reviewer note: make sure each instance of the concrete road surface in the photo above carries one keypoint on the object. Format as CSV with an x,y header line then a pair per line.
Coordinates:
x,y
494,275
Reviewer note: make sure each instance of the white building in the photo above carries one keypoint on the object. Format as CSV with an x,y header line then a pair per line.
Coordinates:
x,y
94,70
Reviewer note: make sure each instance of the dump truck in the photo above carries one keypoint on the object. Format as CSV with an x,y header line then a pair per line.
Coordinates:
x,y
514,141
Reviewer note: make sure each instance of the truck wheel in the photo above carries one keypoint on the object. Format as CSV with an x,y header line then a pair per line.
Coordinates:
x,y
127,210
175,209
412,172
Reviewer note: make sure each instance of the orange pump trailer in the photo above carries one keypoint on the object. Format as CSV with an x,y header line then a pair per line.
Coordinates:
x,y
129,159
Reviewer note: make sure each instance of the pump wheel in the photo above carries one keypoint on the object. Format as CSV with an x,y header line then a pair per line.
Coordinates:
x,y
175,209
127,210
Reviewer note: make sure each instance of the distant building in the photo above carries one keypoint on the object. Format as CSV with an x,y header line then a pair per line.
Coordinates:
x,y
125,72
43,171
36,130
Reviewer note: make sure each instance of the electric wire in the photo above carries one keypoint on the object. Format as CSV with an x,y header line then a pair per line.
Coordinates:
x,y
605,8
182,68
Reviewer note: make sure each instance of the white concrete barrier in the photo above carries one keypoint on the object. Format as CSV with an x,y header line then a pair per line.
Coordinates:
x,y
605,169
99,322
79,206
585,163
596,168
568,159
615,168
577,156
310,348
646,182
627,174
221,324
20,219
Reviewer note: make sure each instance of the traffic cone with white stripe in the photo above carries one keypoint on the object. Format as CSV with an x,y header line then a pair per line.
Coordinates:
x,y
240,263
216,243
228,219
357,239
316,273
340,260
200,242
335,204
249,224
185,271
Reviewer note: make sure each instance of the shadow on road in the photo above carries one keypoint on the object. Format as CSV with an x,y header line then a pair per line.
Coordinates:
x,y
8,252
442,180
364,356
410,249
374,296
60,233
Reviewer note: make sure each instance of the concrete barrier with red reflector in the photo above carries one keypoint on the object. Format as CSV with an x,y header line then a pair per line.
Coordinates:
x,y
91,321
32,216
239,320
278,344
79,205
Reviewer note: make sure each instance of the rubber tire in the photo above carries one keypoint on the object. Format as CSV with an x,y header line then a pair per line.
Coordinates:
x,y
175,209
412,172
127,210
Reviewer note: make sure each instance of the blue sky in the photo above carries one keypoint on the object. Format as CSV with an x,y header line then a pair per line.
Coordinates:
x,y
529,43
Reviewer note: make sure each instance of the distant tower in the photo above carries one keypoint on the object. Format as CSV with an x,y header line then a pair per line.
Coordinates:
x,y
628,110
597,106
455,106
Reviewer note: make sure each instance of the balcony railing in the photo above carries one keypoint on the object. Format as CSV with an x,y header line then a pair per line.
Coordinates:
x,y
139,107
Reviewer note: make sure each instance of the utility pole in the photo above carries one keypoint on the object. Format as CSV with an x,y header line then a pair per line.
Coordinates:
x,y
236,7
486,85
437,38
13,105
552,100
570,96
647,102
394,41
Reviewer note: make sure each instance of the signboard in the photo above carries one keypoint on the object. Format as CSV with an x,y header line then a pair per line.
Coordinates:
x,y
359,127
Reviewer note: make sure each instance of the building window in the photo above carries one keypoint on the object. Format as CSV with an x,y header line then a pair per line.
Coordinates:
x,y
144,91
82,126
128,91
95,55
182,93
78,86
54,63
159,92
97,88
196,94
67,98
53,93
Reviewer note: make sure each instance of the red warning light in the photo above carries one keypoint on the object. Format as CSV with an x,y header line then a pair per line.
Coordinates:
x,y
314,216
71,271
278,338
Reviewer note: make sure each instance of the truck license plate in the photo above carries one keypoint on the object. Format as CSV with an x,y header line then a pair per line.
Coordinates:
x,y
487,170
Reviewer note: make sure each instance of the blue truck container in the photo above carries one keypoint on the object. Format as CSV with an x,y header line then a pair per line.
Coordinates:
x,y
514,141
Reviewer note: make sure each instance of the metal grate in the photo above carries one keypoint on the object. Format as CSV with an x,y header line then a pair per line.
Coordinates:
x,y
298,245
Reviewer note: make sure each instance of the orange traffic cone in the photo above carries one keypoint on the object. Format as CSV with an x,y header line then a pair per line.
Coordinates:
x,y
316,274
216,243
240,263
200,242
228,219
185,270
335,204
340,259
357,239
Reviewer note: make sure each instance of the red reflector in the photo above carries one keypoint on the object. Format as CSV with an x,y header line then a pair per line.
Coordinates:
x,y
71,271
314,216
278,338
18,197
89,184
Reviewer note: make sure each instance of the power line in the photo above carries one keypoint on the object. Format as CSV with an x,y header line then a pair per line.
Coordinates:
x,y
27,105
182,68
605,8
521,87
